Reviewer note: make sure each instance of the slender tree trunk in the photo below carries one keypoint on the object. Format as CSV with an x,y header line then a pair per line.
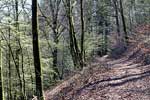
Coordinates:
x,y
74,48
124,23
117,16
22,67
82,34
23,75
71,35
1,75
130,20
9,68
105,38
7,87
36,54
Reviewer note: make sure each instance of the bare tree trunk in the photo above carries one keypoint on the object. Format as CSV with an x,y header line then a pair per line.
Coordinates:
x,y
74,49
36,54
82,34
130,20
22,67
105,37
9,67
124,23
117,16
1,75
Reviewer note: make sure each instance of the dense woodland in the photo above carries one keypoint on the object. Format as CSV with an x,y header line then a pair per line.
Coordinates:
x,y
44,42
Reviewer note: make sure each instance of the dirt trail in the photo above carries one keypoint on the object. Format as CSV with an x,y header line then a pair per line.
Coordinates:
x,y
125,80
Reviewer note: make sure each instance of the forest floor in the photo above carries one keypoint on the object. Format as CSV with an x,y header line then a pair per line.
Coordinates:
x,y
123,80
126,78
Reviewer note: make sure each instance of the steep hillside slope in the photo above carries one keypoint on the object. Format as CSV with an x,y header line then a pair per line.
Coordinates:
x,y
126,78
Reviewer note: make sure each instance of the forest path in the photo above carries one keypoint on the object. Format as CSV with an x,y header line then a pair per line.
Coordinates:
x,y
125,80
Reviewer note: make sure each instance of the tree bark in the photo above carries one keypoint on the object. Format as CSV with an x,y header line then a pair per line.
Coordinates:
x,y
117,16
9,68
82,34
74,49
36,54
124,23
1,75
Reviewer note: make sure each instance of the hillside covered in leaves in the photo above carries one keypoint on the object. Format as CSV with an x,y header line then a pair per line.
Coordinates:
x,y
106,78
74,49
